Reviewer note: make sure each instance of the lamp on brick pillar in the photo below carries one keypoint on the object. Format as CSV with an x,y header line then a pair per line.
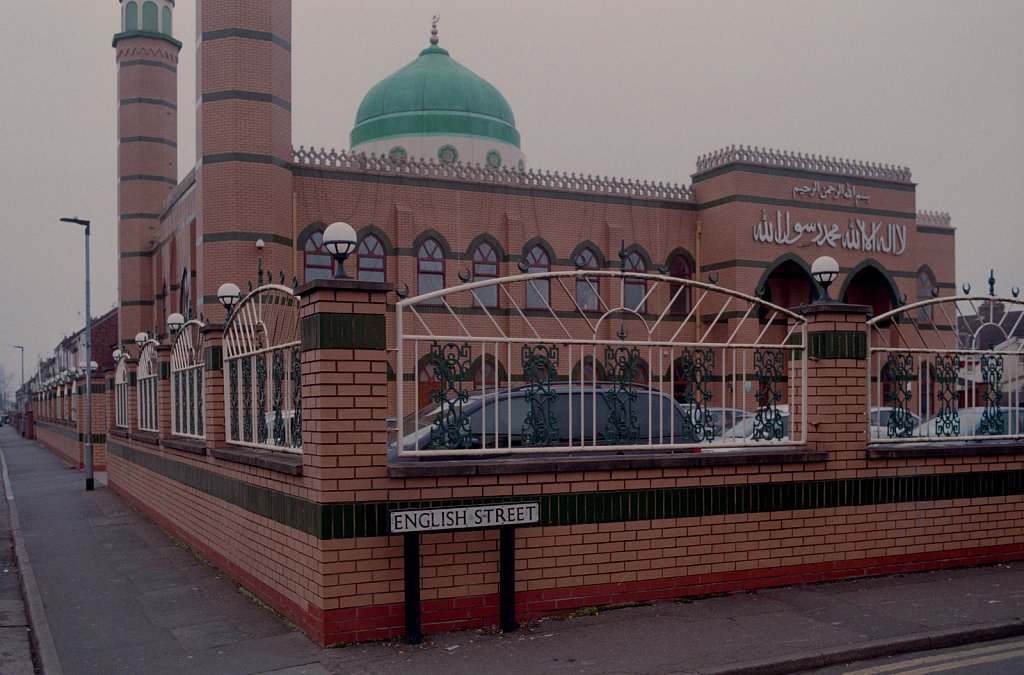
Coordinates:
x,y
340,240
141,338
825,270
228,294
174,323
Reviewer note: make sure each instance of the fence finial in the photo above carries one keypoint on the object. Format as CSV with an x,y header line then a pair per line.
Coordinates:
x,y
992,283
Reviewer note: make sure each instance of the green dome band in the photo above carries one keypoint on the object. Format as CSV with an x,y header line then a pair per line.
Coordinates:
x,y
433,124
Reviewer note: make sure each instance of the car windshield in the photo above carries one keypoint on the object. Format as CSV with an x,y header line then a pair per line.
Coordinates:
x,y
975,422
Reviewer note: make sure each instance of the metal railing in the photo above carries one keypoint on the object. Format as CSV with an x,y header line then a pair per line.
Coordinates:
x,y
121,385
595,361
187,364
262,371
147,381
947,368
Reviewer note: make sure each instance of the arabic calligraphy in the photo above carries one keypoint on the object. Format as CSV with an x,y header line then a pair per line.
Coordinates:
x,y
859,235
834,191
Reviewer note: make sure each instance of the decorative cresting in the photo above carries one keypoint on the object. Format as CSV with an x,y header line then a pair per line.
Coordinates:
x,y
949,367
262,376
575,368
797,160
187,364
148,378
507,176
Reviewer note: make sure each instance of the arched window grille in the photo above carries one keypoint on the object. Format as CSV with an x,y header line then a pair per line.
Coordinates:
x,y
131,16
430,268
121,394
485,266
187,418
149,17
146,388
165,27
634,289
317,262
370,259
679,267
588,289
538,291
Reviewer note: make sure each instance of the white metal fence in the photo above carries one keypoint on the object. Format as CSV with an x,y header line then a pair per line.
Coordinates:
x,y
564,362
187,365
262,371
147,381
121,384
947,368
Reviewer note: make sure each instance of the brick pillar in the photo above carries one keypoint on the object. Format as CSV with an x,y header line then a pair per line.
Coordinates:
x,y
163,391
344,385
837,380
213,386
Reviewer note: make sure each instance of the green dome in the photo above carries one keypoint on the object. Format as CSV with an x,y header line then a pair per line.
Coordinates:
x,y
434,95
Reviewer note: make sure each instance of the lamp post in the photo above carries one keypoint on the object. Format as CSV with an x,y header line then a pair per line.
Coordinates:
x,y
22,364
825,270
88,358
340,240
228,295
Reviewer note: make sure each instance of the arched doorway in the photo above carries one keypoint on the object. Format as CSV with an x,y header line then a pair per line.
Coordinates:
x,y
870,286
789,284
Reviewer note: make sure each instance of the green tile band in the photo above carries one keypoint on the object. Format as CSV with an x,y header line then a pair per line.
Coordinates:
x,y
837,345
369,519
344,331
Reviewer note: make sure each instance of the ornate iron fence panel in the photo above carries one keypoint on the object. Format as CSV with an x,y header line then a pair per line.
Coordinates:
x,y
187,364
595,361
148,380
948,368
262,373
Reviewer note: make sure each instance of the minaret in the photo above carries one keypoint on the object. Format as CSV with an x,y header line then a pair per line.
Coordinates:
x,y
147,164
243,144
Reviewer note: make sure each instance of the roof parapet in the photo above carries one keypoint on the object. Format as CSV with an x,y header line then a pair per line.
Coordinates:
x,y
797,160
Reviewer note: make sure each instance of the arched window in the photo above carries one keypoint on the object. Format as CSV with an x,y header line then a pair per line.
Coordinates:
x,y
587,288
370,259
185,295
925,284
485,375
679,267
430,268
131,16
538,291
635,289
149,14
318,262
166,23
485,266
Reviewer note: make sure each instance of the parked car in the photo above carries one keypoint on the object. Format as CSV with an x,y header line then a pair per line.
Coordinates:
x,y
975,422
744,430
725,420
581,417
879,423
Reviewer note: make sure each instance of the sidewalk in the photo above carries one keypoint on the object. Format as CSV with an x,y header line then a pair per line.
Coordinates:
x,y
117,595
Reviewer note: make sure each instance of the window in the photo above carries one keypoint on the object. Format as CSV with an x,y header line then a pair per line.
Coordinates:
x,y
185,295
131,16
679,267
318,263
925,284
538,291
587,288
370,259
166,26
485,266
149,14
635,289
485,375
430,268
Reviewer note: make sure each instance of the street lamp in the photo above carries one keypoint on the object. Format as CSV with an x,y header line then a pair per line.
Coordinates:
x,y
88,357
141,338
174,323
228,295
825,270
22,364
340,240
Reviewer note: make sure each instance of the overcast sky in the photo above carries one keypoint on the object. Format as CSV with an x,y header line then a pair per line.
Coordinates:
x,y
631,89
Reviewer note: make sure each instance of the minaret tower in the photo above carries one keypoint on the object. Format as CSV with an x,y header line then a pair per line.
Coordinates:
x,y
243,144
147,164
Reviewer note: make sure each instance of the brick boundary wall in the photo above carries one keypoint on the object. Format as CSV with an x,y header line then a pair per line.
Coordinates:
x,y
311,539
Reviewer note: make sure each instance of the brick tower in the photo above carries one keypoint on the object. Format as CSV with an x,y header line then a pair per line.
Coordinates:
x,y
243,143
147,163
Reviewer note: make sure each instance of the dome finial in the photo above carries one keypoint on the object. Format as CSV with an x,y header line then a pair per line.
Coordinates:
x,y
433,29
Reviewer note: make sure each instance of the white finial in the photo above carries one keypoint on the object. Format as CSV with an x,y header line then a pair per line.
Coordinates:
x,y
433,28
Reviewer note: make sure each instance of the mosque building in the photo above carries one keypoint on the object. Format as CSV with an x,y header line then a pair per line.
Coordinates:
x,y
437,187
